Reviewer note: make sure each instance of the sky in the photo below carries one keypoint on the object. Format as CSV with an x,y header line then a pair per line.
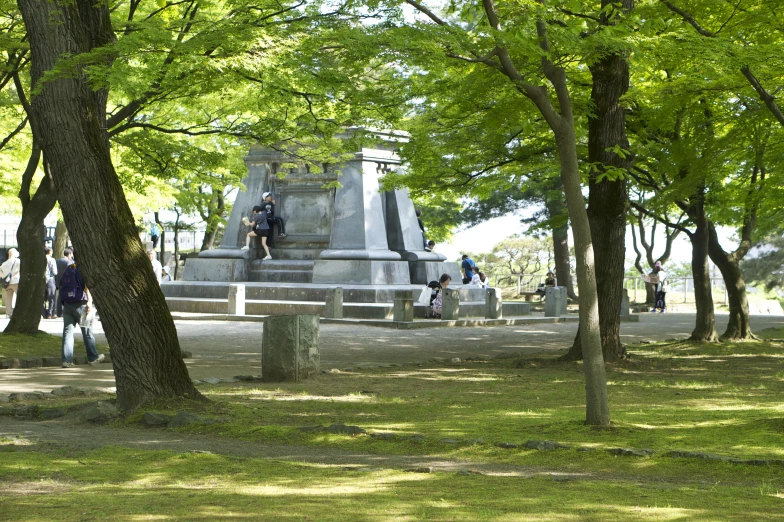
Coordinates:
x,y
482,238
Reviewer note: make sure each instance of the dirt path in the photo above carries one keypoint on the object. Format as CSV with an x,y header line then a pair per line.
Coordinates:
x,y
73,434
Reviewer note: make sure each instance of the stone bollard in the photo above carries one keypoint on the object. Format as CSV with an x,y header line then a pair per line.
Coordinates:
x,y
450,307
236,299
625,309
289,348
403,306
493,304
553,301
333,308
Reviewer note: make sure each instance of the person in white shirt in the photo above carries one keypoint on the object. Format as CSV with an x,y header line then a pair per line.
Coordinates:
x,y
11,266
660,288
166,277
156,265
51,288
475,279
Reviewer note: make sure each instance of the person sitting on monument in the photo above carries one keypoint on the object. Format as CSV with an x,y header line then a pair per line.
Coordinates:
x,y
260,229
438,302
431,245
269,207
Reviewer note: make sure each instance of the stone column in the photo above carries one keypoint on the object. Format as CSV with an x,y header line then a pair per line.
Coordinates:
x,y
334,303
493,304
554,303
625,308
403,307
236,299
450,309
289,348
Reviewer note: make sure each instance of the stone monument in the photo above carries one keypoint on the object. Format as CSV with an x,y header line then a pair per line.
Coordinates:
x,y
343,231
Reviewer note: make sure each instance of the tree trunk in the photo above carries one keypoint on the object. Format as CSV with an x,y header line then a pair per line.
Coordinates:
x,y
209,239
177,245
30,238
739,326
162,240
705,327
69,118
563,268
650,294
60,239
597,404
606,197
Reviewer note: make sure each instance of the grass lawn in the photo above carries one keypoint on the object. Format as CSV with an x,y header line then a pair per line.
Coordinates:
x,y
723,399
38,345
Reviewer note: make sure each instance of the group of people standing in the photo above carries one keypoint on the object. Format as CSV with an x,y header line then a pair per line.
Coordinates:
x,y
261,222
65,296
471,274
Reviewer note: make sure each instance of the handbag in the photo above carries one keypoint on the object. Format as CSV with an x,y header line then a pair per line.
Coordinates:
x,y
6,281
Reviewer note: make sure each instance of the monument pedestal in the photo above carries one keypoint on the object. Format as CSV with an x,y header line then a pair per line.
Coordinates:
x,y
360,272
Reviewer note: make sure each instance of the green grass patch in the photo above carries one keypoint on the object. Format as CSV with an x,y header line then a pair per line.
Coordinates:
x,y
125,484
725,399
40,344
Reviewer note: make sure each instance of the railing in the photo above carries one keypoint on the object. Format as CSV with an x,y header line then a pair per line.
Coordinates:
x,y
189,240
680,288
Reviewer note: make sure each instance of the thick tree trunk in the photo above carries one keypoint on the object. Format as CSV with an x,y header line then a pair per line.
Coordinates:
x,y
607,198
739,326
209,239
68,119
705,327
30,238
60,239
650,294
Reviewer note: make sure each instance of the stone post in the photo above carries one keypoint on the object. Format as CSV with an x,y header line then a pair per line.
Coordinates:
x,y
334,303
289,348
493,303
236,300
553,304
450,309
403,306
625,310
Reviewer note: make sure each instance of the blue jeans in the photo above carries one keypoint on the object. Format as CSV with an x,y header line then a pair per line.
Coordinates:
x,y
72,314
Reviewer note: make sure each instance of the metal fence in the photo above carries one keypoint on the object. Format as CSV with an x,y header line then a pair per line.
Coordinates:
x,y
679,289
189,240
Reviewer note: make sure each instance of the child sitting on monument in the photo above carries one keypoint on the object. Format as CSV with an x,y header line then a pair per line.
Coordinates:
x,y
260,228
269,207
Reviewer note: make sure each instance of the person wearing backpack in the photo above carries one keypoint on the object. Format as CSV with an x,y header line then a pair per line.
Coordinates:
x,y
9,277
77,302
62,263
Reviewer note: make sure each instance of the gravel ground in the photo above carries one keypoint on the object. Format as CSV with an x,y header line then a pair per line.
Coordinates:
x,y
227,348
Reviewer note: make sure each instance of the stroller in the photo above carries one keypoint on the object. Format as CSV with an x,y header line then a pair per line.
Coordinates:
x,y
434,310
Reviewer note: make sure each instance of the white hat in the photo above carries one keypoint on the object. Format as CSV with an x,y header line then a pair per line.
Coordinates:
x,y
165,268
264,196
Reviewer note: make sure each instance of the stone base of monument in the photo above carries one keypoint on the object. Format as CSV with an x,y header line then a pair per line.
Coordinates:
x,y
361,272
359,301
422,272
289,348
216,269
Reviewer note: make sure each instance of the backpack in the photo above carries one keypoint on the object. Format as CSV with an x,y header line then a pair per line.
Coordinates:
x,y
71,287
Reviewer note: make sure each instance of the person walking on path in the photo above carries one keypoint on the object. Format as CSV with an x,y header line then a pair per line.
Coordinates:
x,y
269,208
77,310
50,294
9,272
62,263
156,265
467,266
155,235
260,228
